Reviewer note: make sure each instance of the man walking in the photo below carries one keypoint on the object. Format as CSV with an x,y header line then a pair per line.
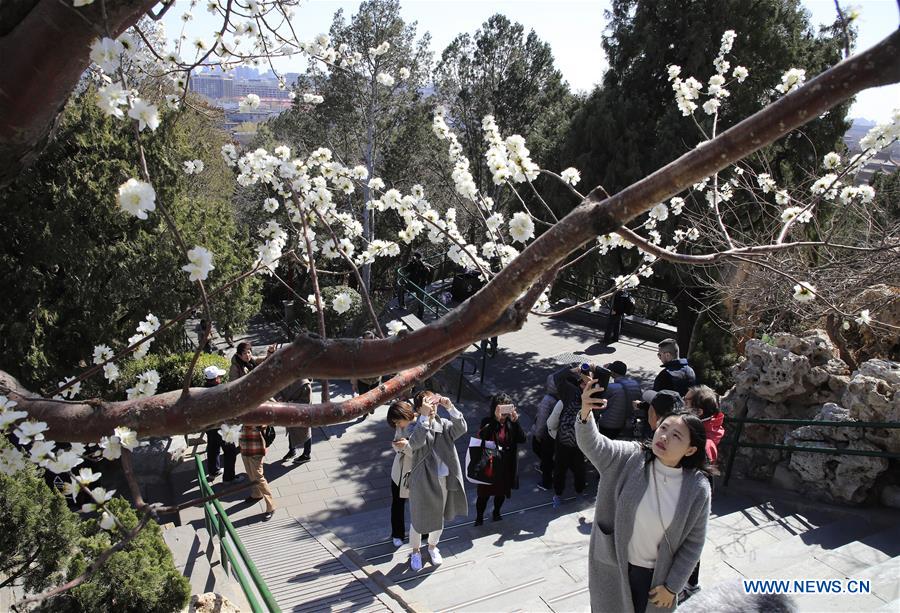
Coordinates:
x,y
214,442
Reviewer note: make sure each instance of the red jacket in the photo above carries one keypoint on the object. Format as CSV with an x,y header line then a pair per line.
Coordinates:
x,y
714,433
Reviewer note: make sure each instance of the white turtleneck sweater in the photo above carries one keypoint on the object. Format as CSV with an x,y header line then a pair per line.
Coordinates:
x,y
648,530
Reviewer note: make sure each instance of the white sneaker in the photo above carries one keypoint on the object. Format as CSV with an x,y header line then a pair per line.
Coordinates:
x,y
415,561
398,542
435,555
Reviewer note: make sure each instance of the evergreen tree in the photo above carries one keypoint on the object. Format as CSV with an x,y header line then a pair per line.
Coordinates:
x,y
86,273
631,126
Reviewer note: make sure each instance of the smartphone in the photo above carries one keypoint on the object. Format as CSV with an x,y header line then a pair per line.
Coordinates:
x,y
602,376
505,409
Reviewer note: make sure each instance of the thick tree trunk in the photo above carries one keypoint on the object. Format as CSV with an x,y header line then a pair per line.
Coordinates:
x,y
45,50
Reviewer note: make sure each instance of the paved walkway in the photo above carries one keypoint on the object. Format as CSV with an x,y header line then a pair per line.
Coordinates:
x,y
346,486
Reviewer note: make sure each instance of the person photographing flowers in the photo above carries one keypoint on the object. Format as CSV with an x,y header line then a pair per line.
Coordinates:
x,y
502,428
436,490
651,511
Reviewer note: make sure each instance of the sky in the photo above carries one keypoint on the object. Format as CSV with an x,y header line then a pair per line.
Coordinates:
x,y
571,27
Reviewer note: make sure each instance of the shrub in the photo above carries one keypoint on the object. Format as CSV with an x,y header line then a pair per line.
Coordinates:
x,y
141,577
171,368
713,355
37,530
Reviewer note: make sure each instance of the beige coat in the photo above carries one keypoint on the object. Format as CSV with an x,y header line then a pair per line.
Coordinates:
x,y
402,465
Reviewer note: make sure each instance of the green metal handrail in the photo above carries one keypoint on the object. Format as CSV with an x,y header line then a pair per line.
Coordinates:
x,y
218,524
740,421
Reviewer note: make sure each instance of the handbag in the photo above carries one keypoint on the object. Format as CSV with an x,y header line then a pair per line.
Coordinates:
x,y
268,434
482,461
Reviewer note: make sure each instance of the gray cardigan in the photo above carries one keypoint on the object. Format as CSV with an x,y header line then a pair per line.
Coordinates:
x,y
623,481
427,510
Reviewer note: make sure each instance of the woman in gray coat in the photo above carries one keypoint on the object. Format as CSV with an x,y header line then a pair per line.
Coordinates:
x,y
436,490
651,512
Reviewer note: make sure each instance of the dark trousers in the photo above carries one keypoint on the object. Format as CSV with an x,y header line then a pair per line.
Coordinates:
x,y
544,448
693,582
215,444
639,579
398,513
613,328
481,505
568,458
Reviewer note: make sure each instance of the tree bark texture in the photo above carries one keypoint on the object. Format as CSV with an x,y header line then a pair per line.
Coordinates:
x,y
45,46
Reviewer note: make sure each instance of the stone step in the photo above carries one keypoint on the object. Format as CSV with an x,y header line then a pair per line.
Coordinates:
x,y
884,579
863,553
749,529
813,569
768,560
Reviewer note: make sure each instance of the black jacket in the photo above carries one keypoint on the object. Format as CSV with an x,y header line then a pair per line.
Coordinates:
x,y
676,375
489,431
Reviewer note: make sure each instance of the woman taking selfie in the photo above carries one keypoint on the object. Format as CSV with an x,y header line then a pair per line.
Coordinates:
x,y
503,429
436,490
651,511
399,417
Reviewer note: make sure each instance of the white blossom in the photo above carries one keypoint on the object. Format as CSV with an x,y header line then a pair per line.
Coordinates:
x,y
270,205
864,319
801,214
831,160
199,263
521,228
102,353
395,327
107,521
30,430
660,212
740,73
110,371
249,103
64,461
9,417
105,52
136,198
804,292
765,182
791,80
571,176
69,392
385,79
127,437
403,73
145,386
230,433
342,303
111,99
41,452
146,114
11,461
313,99
379,50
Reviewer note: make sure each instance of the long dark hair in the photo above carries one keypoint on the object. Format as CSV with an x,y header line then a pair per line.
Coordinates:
x,y
497,400
697,460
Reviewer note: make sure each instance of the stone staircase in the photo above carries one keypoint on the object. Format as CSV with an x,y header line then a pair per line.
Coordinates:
x,y
198,560
536,558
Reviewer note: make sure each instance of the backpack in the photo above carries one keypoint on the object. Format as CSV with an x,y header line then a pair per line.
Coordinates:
x,y
268,434
628,304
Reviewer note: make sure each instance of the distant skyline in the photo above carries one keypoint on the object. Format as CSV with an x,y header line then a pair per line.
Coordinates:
x,y
573,29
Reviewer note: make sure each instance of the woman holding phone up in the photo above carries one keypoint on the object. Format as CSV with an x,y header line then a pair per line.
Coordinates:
x,y
436,490
503,429
651,510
